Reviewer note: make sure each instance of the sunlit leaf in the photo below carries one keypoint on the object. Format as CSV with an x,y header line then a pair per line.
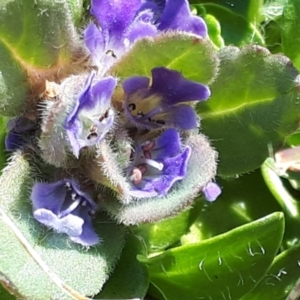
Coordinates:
x,y
280,278
290,205
37,41
253,107
239,203
249,9
42,264
214,30
290,31
227,266
189,54
77,10
235,29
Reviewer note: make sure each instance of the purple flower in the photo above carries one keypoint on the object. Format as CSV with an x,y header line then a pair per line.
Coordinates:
x,y
176,15
20,129
165,102
157,164
63,207
122,22
92,116
211,191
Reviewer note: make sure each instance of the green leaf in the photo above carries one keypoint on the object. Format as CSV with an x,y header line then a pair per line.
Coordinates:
x,y
4,294
12,75
235,29
227,266
249,9
294,139
160,235
290,205
238,204
130,278
77,10
189,54
37,41
40,263
40,32
254,106
290,31
272,33
272,9
280,278
214,30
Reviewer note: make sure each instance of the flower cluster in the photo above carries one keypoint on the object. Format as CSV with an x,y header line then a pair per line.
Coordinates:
x,y
136,137
120,23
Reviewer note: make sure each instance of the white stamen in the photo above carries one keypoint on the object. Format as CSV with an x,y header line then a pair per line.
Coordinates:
x,y
70,208
68,185
73,196
153,163
126,43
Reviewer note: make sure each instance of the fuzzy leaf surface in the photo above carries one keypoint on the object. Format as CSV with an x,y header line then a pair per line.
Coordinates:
x,y
254,106
280,278
228,265
37,42
290,31
77,9
40,31
189,54
130,279
54,267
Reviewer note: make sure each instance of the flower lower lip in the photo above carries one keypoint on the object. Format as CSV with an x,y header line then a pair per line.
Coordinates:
x,y
63,207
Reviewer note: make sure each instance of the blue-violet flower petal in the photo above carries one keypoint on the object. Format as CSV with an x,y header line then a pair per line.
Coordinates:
x,y
19,128
165,102
211,191
122,22
177,16
158,164
63,207
92,116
